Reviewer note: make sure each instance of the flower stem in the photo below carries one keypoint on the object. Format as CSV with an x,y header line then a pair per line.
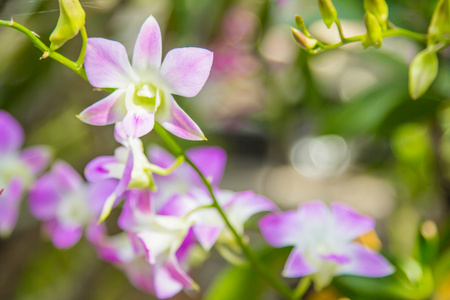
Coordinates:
x,y
251,256
47,52
302,287
419,37
84,37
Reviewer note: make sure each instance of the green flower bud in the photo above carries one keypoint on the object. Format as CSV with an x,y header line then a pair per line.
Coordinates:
x,y
379,9
422,72
440,22
328,12
71,20
374,35
301,25
304,41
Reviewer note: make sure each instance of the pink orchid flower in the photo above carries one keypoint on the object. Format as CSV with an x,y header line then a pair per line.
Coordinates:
x,y
324,242
66,204
144,89
208,226
153,252
18,169
129,167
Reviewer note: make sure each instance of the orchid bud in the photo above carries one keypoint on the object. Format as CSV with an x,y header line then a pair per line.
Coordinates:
x,y
304,41
374,35
328,12
440,22
1,191
301,24
71,20
422,72
379,9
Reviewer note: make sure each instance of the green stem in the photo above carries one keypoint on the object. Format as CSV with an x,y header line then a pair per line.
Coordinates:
x,y
80,59
302,287
340,30
420,37
197,209
47,52
251,256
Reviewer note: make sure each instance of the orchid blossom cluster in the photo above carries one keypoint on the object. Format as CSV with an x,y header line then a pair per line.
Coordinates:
x,y
18,170
171,208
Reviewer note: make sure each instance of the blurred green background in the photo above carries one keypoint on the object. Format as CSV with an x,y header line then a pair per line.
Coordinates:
x,y
338,126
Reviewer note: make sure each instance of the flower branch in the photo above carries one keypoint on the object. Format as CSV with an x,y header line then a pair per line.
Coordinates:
x,y
419,37
47,52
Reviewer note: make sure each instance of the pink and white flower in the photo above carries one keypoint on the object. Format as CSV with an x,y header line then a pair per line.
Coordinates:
x,y
129,168
153,251
208,225
324,242
66,204
18,169
144,89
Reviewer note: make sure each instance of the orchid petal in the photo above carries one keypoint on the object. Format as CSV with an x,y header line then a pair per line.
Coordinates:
x,y
67,178
97,169
178,206
159,156
106,63
365,262
177,273
165,286
297,265
119,134
348,224
44,197
147,50
280,229
138,123
36,158
138,201
315,215
109,110
155,243
11,133
210,161
98,193
207,235
184,250
9,206
246,204
120,188
64,236
186,70
175,120
95,233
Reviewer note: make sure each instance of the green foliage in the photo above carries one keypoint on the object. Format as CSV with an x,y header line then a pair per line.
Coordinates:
x,y
242,282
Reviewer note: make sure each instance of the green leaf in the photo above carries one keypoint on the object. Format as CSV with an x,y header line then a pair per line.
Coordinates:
x,y
396,286
242,282
364,113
